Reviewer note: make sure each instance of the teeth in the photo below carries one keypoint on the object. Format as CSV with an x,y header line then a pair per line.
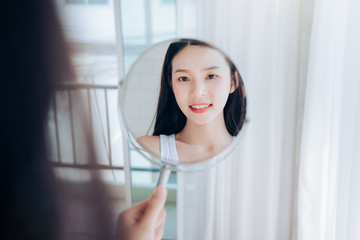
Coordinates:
x,y
200,106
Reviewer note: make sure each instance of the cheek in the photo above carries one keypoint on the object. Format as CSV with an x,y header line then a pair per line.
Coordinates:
x,y
177,93
180,95
222,90
221,94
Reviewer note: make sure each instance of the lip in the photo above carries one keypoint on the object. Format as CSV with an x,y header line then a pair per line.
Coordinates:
x,y
200,110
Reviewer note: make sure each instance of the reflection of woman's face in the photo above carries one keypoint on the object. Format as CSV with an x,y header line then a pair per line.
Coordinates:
x,y
201,83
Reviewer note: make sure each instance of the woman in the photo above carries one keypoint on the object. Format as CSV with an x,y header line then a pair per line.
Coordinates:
x,y
201,106
33,60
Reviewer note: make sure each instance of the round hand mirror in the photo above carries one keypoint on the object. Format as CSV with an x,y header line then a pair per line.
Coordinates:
x,y
183,104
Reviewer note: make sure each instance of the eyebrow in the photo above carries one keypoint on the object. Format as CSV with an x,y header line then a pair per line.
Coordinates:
x,y
204,69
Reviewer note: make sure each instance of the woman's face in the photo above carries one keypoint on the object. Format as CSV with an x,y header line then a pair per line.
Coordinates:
x,y
201,83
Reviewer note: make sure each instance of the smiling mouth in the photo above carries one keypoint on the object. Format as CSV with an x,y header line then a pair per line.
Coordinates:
x,y
200,108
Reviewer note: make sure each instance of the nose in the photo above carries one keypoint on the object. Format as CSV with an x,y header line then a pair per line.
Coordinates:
x,y
198,88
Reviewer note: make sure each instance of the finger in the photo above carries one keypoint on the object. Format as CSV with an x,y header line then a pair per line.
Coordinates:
x,y
141,206
159,231
161,218
155,205
130,215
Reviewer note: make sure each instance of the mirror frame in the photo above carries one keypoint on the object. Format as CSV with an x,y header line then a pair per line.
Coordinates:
x,y
131,138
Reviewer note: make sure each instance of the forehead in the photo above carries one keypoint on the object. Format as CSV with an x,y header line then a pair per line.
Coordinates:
x,y
198,57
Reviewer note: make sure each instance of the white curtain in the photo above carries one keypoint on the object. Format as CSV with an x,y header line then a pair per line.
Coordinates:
x,y
329,176
249,195
296,172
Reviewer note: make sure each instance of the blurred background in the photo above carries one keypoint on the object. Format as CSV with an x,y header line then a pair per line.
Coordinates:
x,y
295,174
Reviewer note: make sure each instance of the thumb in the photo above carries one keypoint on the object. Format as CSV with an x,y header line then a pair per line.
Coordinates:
x,y
155,205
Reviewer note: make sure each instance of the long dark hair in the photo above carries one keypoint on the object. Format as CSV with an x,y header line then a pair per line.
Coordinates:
x,y
34,59
170,119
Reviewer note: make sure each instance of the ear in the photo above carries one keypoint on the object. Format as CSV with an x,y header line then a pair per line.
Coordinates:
x,y
234,81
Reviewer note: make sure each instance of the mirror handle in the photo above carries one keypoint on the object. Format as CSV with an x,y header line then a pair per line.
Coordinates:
x,y
120,82
164,175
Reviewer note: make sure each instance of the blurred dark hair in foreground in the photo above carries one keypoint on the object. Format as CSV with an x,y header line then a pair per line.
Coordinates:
x,y
34,58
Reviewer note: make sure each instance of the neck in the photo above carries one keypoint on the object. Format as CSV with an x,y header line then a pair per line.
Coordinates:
x,y
211,134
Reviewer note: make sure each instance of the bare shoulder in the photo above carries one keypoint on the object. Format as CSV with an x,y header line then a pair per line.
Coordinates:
x,y
150,143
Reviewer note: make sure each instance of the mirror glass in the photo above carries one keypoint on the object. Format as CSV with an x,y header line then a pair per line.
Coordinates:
x,y
183,104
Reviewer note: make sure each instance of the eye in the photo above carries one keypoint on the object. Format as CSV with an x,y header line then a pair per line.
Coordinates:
x,y
183,79
211,76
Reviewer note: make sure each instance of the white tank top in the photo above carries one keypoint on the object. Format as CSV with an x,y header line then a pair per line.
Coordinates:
x,y
168,152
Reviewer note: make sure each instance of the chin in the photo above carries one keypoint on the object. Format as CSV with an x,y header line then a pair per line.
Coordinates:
x,y
201,122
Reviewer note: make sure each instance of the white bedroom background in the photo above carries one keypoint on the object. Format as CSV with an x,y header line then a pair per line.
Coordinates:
x,y
294,175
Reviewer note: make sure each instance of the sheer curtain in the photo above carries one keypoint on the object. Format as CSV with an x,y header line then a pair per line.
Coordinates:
x,y
250,194
329,179
296,172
